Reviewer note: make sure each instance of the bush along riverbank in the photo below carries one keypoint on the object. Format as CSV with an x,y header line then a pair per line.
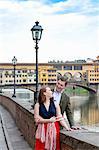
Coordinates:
x,y
72,91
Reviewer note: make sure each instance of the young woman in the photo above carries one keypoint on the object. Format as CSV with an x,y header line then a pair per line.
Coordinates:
x,y
47,117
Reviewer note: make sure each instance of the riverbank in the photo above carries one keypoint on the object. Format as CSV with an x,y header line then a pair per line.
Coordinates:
x,y
73,90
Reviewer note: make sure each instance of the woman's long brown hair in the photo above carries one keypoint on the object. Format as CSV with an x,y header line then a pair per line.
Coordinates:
x,y
42,97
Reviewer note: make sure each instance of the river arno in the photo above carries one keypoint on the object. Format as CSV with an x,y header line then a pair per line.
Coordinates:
x,y
86,111
85,108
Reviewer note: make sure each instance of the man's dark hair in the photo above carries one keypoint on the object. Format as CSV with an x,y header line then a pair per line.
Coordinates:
x,y
63,78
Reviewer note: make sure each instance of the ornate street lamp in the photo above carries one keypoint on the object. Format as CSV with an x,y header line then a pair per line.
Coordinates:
x,y
36,34
14,61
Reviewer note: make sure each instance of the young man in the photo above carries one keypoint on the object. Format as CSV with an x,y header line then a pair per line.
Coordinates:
x,y
63,100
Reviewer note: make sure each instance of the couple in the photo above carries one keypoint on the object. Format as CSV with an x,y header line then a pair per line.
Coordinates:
x,y
48,116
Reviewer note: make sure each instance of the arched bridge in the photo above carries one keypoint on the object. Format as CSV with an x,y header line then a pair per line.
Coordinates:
x,y
90,89
32,87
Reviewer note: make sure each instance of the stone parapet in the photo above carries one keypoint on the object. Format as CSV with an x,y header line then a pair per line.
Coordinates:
x,y
24,118
79,140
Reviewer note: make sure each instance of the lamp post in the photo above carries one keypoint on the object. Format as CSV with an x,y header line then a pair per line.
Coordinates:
x,y
14,61
1,82
36,35
1,88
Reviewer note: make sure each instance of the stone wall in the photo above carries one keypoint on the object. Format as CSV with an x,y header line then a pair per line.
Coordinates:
x,y
24,118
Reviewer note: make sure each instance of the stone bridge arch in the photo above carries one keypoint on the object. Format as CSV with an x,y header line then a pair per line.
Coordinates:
x,y
77,76
90,89
68,75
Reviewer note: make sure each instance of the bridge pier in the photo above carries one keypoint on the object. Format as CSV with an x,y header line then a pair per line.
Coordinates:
x,y
96,86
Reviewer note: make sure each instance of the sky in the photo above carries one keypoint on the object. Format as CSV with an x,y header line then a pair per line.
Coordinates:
x,y
70,30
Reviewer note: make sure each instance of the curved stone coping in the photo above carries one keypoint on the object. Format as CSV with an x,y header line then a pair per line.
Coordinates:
x,y
80,139
24,117
25,104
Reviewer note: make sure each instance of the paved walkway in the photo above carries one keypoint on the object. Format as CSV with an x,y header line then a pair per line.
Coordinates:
x,y
3,145
14,137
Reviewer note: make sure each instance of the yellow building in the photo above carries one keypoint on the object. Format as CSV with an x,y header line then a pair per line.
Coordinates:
x,y
47,72
47,75
93,76
93,72
26,74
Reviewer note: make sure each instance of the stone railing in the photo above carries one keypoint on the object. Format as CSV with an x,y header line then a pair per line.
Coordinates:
x,y
24,118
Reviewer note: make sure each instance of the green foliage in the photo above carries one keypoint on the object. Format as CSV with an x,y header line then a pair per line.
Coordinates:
x,y
77,91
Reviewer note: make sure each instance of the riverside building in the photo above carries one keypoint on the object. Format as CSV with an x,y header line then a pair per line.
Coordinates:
x,y
78,70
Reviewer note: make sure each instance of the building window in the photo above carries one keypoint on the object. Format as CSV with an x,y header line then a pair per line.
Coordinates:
x,y
67,67
1,76
44,75
58,67
78,67
11,81
24,80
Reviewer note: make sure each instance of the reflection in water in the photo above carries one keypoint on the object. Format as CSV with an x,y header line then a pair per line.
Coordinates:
x,y
86,110
23,94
